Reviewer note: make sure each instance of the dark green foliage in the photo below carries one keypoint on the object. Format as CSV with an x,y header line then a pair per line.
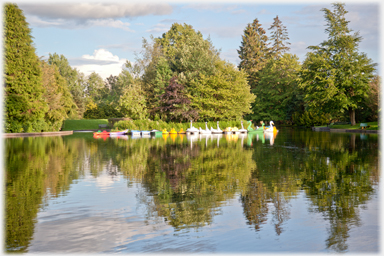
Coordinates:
x,y
370,106
277,94
310,119
335,76
163,75
23,92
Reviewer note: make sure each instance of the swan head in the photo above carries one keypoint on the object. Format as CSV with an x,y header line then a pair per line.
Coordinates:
x,y
271,123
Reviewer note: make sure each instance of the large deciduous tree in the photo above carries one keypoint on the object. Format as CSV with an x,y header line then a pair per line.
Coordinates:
x,y
187,51
335,76
23,92
57,96
132,102
76,82
223,96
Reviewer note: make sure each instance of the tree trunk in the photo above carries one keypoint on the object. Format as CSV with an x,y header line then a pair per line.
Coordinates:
x,y
352,116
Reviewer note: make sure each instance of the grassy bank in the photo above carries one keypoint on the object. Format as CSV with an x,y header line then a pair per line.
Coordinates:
x,y
84,124
373,126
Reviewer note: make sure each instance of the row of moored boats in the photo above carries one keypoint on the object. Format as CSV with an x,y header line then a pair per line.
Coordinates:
x,y
194,130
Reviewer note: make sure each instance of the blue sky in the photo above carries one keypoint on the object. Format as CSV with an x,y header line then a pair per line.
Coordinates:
x,y
101,36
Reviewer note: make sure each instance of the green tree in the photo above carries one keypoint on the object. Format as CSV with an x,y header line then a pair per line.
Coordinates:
x,y
335,76
112,89
57,96
224,95
161,81
188,53
132,102
75,81
94,86
278,92
254,51
24,102
279,37
370,107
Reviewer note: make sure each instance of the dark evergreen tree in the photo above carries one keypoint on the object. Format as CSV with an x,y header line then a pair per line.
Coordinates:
x,y
254,51
24,102
279,37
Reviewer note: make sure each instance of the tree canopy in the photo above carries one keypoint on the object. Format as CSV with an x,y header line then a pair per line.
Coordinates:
x,y
335,76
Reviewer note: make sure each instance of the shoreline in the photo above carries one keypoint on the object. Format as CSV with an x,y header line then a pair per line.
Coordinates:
x,y
327,129
36,134
63,133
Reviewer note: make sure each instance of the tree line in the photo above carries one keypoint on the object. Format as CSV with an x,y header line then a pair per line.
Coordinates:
x,y
180,77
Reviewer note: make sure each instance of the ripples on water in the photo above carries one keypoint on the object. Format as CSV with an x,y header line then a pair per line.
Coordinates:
x,y
294,191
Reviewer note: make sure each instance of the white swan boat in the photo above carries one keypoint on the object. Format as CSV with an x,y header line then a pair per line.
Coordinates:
x,y
206,131
242,130
270,129
192,130
216,131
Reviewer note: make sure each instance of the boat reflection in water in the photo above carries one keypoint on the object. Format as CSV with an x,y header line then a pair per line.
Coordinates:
x,y
271,136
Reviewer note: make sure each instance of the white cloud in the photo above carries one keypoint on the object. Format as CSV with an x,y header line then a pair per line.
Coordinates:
x,y
233,9
111,23
82,15
102,62
158,28
84,11
106,181
224,32
263,11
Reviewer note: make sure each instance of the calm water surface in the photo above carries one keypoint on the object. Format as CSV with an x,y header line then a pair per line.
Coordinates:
x,y
297,191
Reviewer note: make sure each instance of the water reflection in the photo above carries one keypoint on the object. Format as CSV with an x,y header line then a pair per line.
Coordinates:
x,y
185,180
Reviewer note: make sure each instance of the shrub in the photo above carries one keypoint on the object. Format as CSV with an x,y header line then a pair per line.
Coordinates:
x,y
310,119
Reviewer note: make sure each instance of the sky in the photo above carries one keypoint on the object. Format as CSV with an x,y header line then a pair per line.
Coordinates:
x,y
101,36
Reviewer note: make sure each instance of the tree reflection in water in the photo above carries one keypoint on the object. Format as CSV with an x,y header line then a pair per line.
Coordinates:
x,y
187,180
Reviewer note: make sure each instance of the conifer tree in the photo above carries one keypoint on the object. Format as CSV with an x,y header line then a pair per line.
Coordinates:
x,y
24,102
335,76
279,37
254,51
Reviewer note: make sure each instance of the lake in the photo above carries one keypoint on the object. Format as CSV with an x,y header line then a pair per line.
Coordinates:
x,y
295,191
